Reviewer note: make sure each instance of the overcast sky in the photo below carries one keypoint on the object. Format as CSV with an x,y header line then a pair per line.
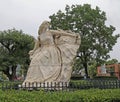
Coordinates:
x,y
27,15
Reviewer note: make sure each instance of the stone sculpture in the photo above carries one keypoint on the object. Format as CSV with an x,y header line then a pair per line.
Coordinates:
x,y
53,55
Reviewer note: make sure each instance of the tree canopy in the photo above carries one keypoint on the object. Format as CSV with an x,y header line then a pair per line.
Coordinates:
x,y
112,61
97,39
14,48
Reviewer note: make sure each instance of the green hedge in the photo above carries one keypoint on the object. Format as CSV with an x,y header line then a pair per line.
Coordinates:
x,y
79,77
91,95
76,77
105,77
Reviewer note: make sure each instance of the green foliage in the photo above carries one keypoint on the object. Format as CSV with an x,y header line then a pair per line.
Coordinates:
x,y
14,48
92,95
112,61
92,69
106,77
97,39
76,77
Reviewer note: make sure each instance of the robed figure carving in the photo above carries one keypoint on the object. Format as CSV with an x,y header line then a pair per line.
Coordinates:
x,y
53,55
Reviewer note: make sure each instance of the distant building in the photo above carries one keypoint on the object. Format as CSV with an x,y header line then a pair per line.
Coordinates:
x,y
109,70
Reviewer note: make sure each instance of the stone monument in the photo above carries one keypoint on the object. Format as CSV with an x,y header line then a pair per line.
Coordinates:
x,y
53,55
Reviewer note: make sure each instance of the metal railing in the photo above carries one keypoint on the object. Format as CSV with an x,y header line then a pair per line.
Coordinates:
x,y
63,86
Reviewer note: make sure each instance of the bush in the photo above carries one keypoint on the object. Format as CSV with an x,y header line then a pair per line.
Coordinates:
x,y
76,77
105,77
91,95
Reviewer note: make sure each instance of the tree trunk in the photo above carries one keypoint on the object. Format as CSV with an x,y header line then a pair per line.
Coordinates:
x,y
14,77
86,71
11,76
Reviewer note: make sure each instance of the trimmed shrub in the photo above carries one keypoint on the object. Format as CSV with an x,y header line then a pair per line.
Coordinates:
x,y
105,77
91,95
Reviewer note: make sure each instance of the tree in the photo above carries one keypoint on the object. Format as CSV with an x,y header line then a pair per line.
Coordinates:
x,y
92,69
97,39
14,48
112,61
